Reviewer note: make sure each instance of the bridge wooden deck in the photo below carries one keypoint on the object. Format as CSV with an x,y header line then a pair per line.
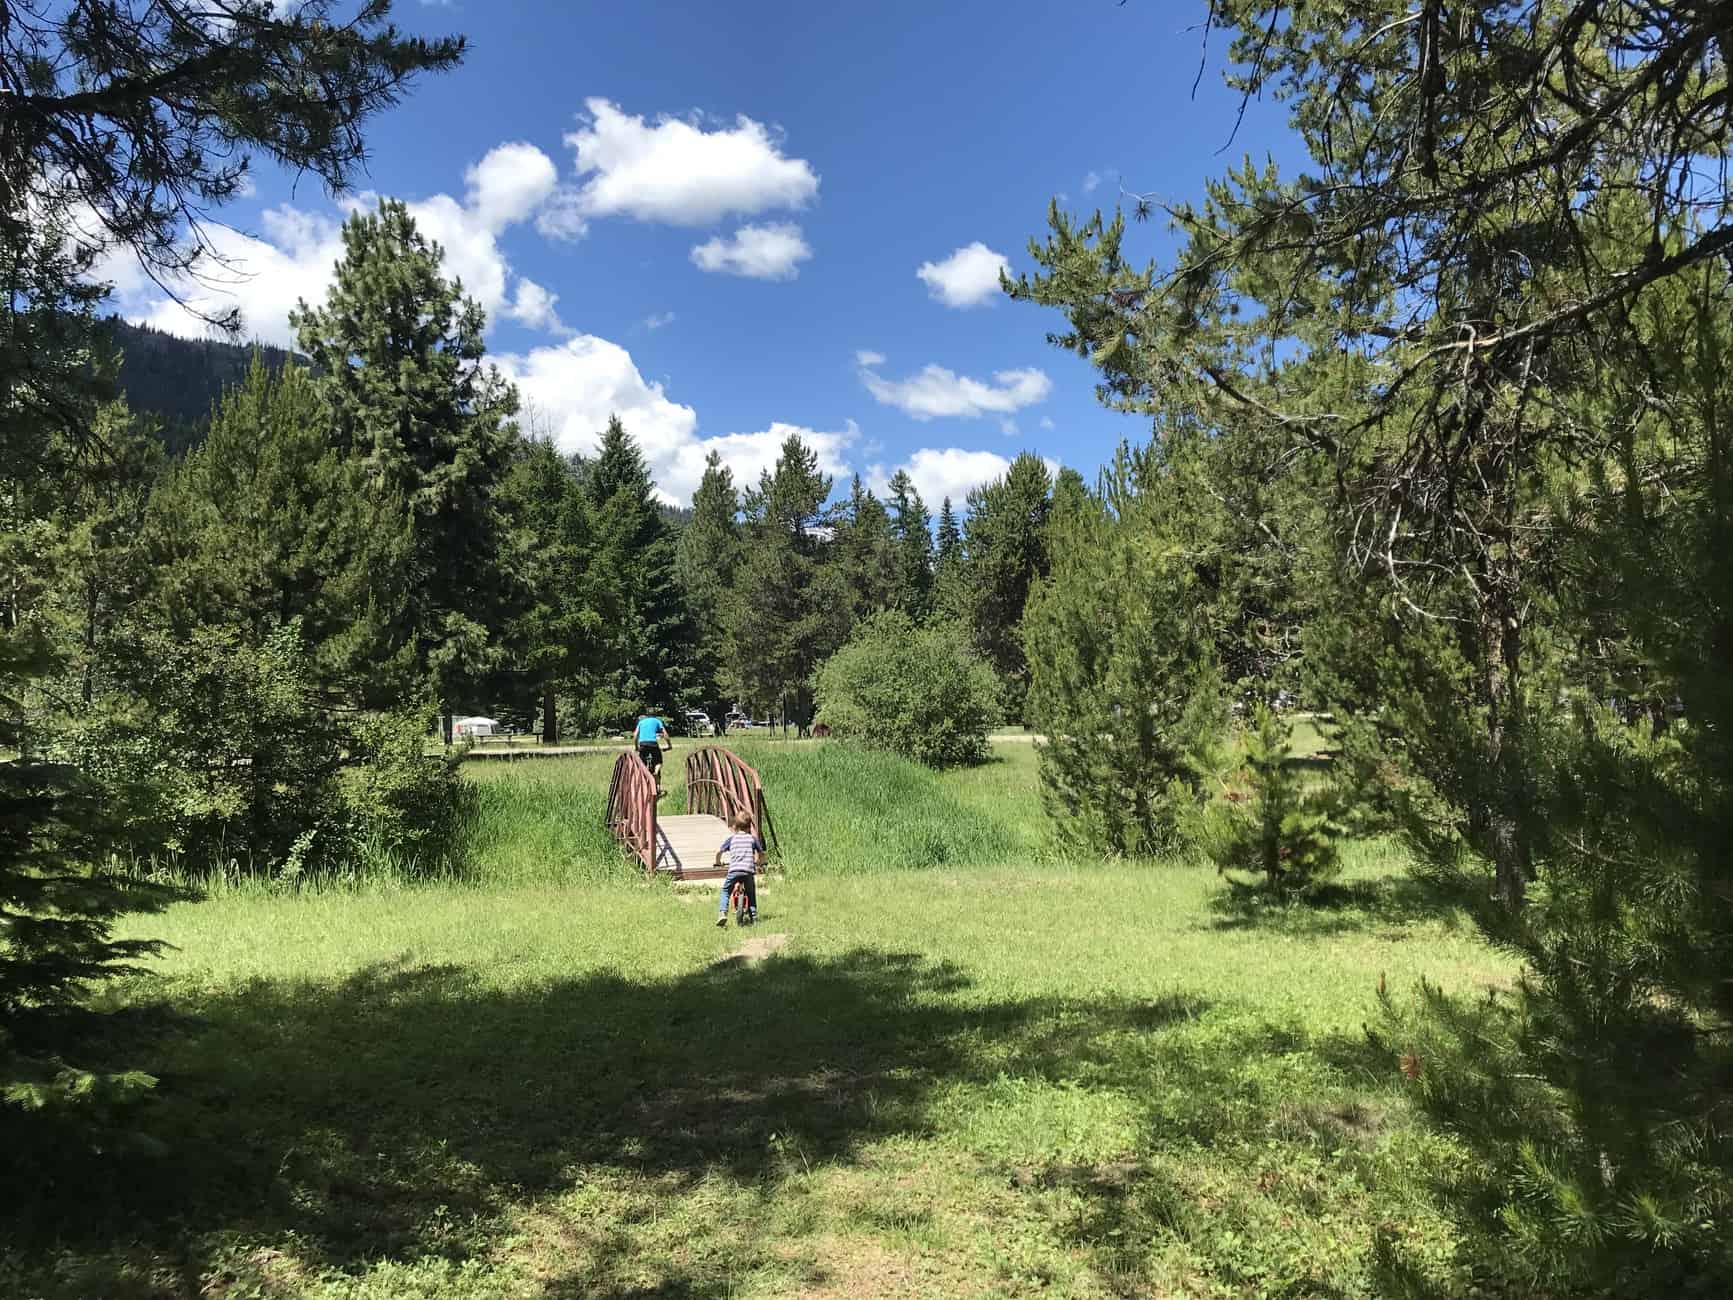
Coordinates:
x,y
720,786
686,846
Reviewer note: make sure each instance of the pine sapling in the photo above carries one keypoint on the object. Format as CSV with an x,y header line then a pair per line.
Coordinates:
x,y
1268,822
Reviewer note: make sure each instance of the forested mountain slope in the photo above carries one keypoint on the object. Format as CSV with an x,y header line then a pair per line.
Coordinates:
x,y
178,379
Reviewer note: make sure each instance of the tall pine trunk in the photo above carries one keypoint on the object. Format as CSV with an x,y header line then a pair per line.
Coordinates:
x,y
1503,460
550,720
87,684
1495,818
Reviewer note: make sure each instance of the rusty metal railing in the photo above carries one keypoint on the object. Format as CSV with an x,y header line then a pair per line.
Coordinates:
x,y
632,808
721,783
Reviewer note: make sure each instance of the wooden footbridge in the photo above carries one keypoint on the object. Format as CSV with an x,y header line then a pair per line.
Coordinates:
x,y
719,784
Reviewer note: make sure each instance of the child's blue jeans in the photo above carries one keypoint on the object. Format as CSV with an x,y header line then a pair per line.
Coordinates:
x,y
751,894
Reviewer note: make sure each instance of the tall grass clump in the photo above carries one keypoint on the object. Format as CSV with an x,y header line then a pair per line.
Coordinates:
x,y
840,808
541,822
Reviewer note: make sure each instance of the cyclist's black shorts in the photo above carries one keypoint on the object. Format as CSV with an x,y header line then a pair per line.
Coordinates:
x,y
652,756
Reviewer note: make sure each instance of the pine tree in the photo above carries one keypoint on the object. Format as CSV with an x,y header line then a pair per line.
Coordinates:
x,y
146,114
948,593
646,659
1269,823
949,546
73,515
142,118
709,555
912,527
791,608
399,359
95,573
1123,678
1070,494
556,628
867,549
267,523
1005,555
1504,349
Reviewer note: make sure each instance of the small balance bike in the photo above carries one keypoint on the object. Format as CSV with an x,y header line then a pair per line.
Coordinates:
x,y
737,903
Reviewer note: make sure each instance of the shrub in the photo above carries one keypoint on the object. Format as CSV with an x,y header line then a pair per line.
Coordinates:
x,y
402,804
915,691
1268,823
231,757
237,766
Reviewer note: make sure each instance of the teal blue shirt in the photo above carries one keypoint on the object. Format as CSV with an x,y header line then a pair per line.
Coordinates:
x,y
649,729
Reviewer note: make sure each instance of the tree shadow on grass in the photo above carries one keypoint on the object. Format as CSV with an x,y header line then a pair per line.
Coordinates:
x,y
1362,905
394,1114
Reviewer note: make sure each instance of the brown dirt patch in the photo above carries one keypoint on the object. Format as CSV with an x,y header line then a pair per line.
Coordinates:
x,y
858,1268
754,950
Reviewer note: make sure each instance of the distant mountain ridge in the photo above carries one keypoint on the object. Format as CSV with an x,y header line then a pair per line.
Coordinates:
x,y
181,379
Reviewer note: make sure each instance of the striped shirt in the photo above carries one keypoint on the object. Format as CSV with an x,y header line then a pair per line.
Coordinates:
x,y
740,848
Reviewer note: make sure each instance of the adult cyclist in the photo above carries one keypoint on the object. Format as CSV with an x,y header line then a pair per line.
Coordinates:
x,y
653,739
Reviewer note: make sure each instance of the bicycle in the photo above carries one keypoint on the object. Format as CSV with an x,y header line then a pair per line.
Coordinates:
x,y
738,904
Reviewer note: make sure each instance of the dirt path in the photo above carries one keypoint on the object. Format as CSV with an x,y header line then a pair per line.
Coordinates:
x,y
753,951
506,755
541,751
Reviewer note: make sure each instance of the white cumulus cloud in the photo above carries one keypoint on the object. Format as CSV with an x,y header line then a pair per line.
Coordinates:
x,y
940,472
772,252
510,184
574,387
935,392
675,171
657,319
867,357
967,278
294,253
534,306
264,276
562,216
577,385
752,454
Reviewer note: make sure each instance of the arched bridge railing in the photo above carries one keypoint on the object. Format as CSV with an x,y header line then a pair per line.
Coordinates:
x,y
721,783
632,808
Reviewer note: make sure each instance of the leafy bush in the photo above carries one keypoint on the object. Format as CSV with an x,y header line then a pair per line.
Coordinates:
x,y
401,804
915,691
235,765
1267,822
228,758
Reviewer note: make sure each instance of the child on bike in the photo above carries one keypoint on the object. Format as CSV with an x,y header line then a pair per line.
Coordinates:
x,y
745,854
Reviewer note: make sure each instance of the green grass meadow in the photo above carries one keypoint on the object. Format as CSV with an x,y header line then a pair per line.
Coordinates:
x,y
947,1062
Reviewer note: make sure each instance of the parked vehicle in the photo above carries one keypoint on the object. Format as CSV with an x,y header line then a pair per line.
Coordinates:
x,y
698,723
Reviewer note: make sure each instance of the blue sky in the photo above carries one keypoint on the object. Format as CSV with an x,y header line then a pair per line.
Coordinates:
x,y
714,219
